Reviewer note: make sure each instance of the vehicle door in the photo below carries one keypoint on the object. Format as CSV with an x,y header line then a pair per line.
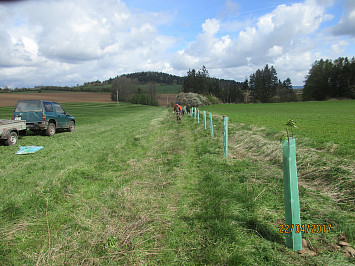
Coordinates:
x,y
62,119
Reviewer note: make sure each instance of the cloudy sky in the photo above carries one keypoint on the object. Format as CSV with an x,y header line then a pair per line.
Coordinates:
x,y
68,42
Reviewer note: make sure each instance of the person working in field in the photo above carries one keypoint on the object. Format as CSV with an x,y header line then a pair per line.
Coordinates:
x,y
188,109
178,110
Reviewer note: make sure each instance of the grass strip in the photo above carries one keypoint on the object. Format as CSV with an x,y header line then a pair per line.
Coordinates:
x,y
133,186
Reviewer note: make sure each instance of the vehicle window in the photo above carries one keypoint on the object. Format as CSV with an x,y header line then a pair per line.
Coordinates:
x,y
59,109
28,106
48,107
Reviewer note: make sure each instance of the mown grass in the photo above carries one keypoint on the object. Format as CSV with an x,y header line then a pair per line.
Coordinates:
x,y
132,186
244,193
326,145
321,124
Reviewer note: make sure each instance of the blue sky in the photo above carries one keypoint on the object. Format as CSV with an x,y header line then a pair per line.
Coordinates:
x,y
64,42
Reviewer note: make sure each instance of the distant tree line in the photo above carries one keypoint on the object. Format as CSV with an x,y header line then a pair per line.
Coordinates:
x,y
95,86
131,90
263,86
330,79
5,90
200,82
87,87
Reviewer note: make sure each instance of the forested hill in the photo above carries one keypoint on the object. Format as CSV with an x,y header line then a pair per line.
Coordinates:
x,y
164,78
156,77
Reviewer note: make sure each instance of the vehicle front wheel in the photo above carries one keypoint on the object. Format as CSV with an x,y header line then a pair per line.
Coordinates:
x,y
50,131
12,139
71,126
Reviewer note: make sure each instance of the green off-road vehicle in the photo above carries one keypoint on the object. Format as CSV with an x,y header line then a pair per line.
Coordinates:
x,y
44,116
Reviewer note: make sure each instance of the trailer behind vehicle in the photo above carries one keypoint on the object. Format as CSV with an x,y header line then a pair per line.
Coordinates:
x,y
10,129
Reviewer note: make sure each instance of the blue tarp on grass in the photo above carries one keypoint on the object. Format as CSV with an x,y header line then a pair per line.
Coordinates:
x,y
29,149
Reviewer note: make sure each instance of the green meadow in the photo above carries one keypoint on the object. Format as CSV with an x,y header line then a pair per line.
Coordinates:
x,y
131,185
320,124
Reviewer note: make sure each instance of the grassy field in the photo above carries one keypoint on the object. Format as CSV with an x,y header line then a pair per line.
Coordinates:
x,y
322,124
132,186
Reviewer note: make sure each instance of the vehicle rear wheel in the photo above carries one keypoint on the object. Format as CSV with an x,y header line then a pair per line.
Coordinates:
x,y
12,139
71,126
50,131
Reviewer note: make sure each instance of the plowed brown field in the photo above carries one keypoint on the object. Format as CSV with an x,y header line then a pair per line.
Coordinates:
x,y
10,99
166,99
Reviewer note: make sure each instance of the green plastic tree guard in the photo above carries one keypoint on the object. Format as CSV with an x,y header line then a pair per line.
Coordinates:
x,y
291,197
225,139
211,125
198,116
204,120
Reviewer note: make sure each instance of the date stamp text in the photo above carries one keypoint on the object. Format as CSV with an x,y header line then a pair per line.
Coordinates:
x,y
304,228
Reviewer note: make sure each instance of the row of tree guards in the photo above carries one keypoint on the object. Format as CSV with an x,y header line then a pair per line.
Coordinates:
x,y
291,195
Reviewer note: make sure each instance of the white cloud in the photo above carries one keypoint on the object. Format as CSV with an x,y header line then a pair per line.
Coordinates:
x,y
210,27
67,42
276,36
346,25
77,31
275,51
266,24
294,65
64,42
339,47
